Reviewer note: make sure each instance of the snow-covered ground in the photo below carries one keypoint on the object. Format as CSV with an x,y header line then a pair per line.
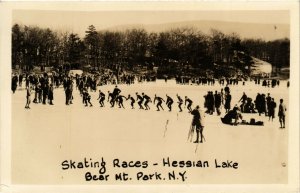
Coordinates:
x,y
44,136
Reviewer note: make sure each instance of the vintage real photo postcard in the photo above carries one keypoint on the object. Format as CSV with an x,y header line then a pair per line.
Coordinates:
x,y
108,94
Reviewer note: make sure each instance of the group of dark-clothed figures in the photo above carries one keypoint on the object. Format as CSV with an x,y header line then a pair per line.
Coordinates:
x,y
263,104
43,90
43,87
143,100
214,101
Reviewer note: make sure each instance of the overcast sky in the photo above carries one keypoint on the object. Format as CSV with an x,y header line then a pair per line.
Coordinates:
x,y
78,21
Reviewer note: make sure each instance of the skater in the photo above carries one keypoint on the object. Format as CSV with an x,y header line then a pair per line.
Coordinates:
x,y
281,113
190,102
169,102
197,123
140,100
101,98
28,100
113,96
147,100
119,99
112,99
180,102
132,101
160,100
87,98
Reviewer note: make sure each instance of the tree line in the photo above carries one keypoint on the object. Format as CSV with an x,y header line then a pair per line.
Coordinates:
x,y
35,46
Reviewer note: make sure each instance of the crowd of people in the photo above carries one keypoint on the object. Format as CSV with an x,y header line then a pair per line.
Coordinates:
x,y
43,88
94,80
211,81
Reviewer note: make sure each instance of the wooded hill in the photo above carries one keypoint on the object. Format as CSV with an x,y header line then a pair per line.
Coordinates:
x,y
183,47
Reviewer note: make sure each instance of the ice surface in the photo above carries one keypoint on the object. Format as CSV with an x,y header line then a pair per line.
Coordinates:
x,y
46,135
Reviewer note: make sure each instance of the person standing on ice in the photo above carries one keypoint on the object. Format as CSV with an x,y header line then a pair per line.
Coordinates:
x,y
206,100
271,109
281,113
222,97
243,99
268,101
36,89
180,102
14,83
218,99
45,92
67,88
40,93
116,91
28,100
20,79
160,100
210,102
132,101
190,102
258,103
227,89
263,103
169,102
51,94
198,123
227,104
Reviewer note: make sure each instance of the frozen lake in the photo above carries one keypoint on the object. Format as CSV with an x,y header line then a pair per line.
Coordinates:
x,y
44,136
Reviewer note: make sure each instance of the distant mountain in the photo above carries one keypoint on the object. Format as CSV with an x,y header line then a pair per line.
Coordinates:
x,y
245,30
